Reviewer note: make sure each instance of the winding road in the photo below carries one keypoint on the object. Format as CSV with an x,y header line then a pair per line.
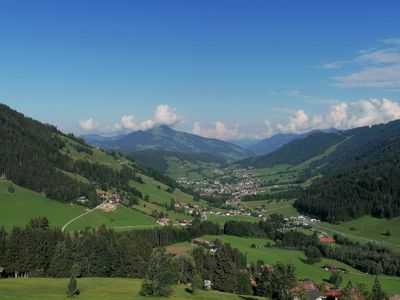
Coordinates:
x,y
80,216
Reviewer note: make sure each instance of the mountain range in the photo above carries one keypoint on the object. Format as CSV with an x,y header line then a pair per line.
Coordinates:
x,y
167,139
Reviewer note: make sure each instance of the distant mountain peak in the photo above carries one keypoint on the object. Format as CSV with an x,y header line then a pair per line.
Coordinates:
x,y
163,137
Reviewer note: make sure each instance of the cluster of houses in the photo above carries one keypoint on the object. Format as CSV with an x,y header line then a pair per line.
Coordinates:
x,y
237,183
232,212
112,199
300,221
315,292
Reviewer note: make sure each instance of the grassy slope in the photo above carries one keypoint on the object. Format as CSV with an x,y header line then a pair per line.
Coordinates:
x,y
284,207
391,285
18,208
122,217
368,228
92,289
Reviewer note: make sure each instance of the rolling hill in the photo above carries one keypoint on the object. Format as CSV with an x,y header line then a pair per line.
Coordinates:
x,y
165,138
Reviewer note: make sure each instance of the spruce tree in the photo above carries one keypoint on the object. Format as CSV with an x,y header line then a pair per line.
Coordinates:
x,y
72,289
197,283
224,272
377,292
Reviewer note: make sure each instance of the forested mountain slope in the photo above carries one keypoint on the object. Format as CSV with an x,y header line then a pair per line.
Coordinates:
x,y
369,184
296,151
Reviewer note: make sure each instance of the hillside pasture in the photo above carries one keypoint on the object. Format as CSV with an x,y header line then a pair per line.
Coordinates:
x,y
271,255
95,289
121,218
18,208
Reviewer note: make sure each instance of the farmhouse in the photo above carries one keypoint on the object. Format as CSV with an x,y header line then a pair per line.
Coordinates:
x,y
82,200
163,221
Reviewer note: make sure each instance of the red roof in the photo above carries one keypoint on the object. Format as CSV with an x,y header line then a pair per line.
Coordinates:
x,y
334,293
326,239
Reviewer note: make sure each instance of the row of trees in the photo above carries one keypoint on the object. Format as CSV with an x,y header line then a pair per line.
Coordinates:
x,y
39,250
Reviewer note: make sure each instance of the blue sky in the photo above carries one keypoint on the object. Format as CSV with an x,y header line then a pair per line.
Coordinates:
x,y
227,69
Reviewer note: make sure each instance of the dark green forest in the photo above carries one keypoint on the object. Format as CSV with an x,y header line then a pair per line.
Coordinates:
x,y
369,184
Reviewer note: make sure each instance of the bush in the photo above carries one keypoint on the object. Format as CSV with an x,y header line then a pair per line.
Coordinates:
x,y
72,289
11,189
335,279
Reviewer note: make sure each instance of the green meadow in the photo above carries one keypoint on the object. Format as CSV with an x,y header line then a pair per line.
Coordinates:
x,y
367,229
121,218
94,289
283,207
16,209
222,219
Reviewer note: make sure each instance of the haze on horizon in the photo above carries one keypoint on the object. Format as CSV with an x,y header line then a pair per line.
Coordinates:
x,y
225,69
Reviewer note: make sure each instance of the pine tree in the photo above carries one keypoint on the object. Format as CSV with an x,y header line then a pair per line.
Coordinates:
x,y
262,284
60,264
224,272
377,293
72,289
197,283
242,285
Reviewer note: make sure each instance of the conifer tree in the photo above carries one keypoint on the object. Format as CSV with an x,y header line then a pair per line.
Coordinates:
x,y
72,289
377,292
224,272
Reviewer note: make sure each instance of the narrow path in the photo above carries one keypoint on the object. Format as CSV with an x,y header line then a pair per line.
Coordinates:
x,y
80,216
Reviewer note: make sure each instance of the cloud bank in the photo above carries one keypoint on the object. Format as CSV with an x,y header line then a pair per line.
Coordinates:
x,y
219,131
163,115
344,116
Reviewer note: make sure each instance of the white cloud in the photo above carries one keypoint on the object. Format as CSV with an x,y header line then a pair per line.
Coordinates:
x,y
377,67
297,123
163,115
372,77
344,116
88,124
219,131
269,130
129,122
167,115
